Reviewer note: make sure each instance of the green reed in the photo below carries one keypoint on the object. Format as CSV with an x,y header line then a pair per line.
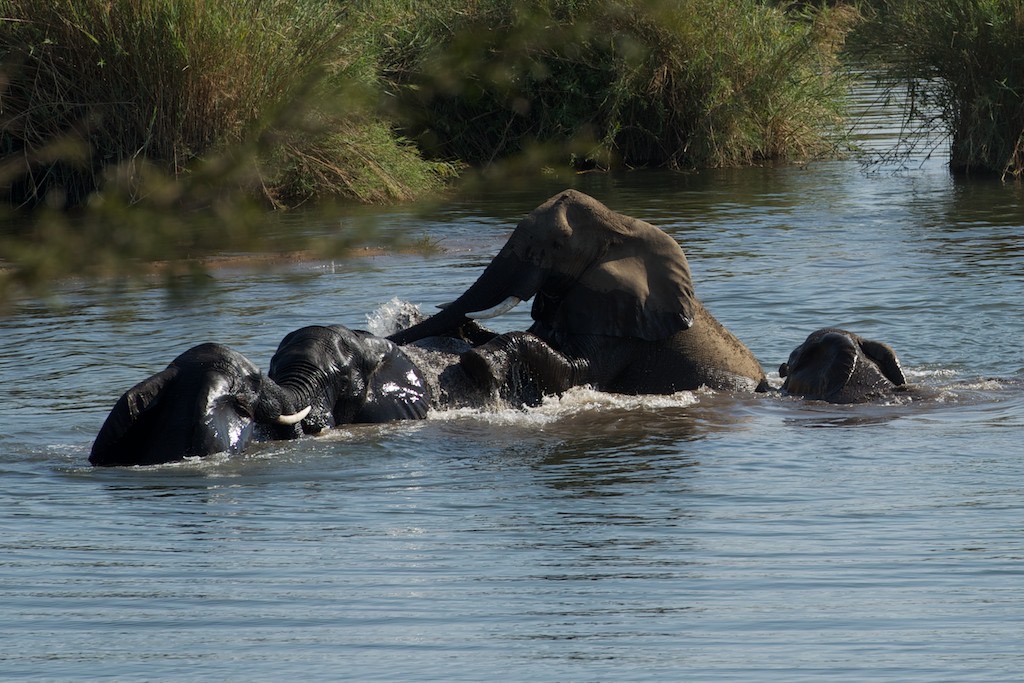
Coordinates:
x,y
273,91
175,123
171,125
682,83
963,64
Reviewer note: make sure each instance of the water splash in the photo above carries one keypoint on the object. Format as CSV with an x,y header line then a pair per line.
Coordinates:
x,y
392,316
573,402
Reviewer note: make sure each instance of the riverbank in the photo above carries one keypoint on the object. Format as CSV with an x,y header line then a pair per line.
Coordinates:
x,y
170,135
143,131
958,63
380,101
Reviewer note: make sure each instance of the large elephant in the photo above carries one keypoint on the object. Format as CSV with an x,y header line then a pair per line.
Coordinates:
x,y
614,308
346,376
208,400
838,366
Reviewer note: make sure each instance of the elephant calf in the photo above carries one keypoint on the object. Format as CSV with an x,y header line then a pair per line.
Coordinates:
x,y
838,366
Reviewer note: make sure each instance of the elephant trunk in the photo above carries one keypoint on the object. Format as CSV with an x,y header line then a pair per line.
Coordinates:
x,y
505,282
277,405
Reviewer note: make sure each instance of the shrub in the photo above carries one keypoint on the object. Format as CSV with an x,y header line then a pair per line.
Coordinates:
x,y
687,83
172,123
95,85
963,62
164,118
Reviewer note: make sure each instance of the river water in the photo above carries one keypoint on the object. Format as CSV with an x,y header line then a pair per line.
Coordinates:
x,y
700,536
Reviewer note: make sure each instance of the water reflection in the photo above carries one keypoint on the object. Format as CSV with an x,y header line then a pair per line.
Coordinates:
x,y
943,401
827,416
978,222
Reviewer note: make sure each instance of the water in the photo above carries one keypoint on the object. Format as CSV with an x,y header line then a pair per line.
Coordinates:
x,y
692,537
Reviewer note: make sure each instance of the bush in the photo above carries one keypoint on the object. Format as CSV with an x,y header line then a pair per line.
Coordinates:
x,y
962,61
682,83
164,119
172,124
94,88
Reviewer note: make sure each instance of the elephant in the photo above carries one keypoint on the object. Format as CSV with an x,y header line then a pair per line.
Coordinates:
x,y
838,366
210,399
614,308
352,376
346,376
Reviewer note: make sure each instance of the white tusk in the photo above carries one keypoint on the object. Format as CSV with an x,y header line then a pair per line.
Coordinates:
x,y
293,419
501,309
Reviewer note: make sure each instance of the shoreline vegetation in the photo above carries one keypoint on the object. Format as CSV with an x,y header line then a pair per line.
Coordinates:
x,y
142,131
961,64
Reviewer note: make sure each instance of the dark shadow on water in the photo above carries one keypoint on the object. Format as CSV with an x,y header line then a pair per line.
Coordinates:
x,y
820,415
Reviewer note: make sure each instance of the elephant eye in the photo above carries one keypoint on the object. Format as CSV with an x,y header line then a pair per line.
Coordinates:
x,y
241,403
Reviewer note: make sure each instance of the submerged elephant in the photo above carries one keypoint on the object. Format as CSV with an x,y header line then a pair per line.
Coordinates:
x,y
838,366
208,400
351,376
614,307
346,376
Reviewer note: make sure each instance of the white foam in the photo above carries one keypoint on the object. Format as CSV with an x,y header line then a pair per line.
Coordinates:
x,y
573,402
392,316
940,373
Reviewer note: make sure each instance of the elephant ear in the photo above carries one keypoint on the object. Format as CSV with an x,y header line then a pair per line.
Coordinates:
x,y
821,368
395,388
885,357
124,433
635,281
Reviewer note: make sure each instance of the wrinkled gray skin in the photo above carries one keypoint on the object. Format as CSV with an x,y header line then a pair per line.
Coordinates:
x,y
838,366
346,376
210,399
453,384
351,376
613,307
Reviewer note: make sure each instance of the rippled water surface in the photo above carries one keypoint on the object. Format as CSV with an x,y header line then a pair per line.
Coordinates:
x,y
692,537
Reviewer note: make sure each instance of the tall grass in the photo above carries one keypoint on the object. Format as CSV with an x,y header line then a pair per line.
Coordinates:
x,y
963,61
679,83
284,94
165,118
172,124
92,89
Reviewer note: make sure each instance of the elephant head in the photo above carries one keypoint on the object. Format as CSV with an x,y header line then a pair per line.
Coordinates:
x,y
347,376
838,366
592,271
208,400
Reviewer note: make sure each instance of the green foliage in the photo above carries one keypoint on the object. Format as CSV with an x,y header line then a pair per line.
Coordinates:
x,y
91,87
360,158
683,83
963,62
171,125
